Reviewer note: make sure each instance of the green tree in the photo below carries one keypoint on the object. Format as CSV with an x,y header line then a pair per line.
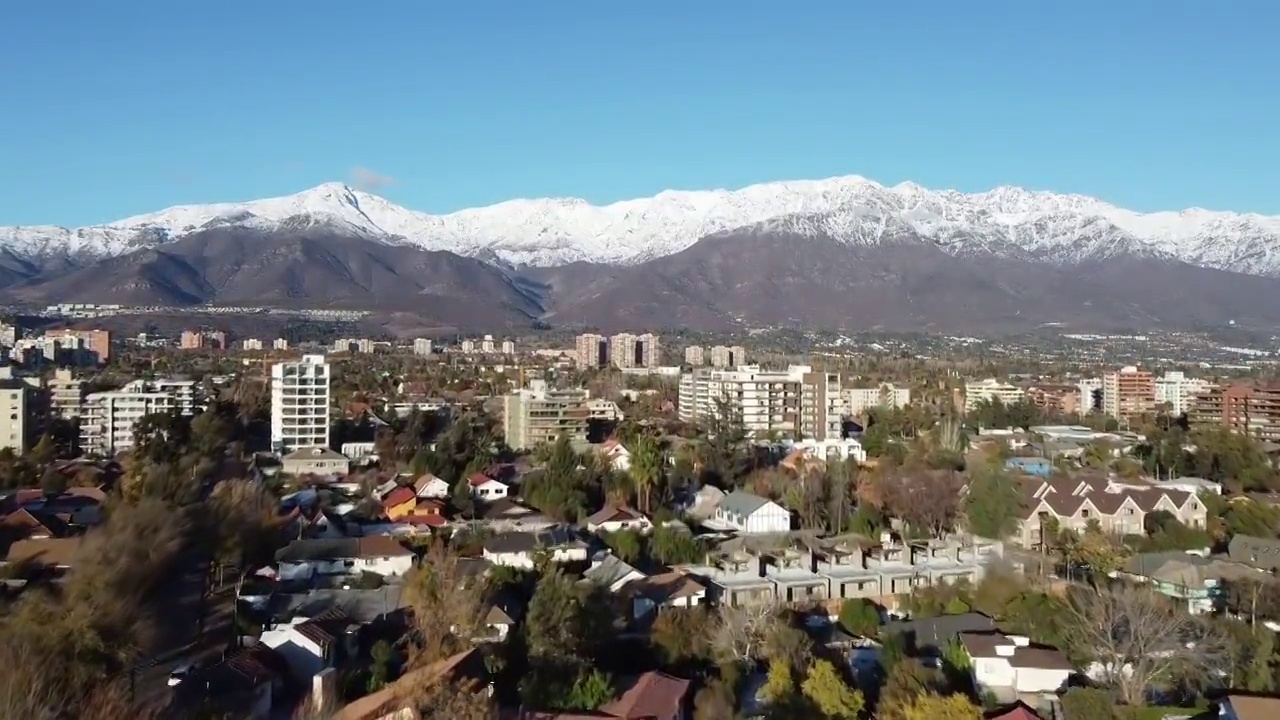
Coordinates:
x,y
993,504
648,469
674,545
591,689
830,694
382,656
780,685
1083,703
626,544
860,616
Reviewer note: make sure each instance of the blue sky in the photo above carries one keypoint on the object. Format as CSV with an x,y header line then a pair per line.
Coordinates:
x,y
111,109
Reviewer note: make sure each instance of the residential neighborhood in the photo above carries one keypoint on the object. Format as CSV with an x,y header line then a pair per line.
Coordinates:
x,y
299,547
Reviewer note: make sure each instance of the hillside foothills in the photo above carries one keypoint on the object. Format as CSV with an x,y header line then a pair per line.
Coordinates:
x,y
843,254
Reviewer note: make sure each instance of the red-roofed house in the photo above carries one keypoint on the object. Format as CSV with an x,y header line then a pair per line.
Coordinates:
x,y
399,502
485,488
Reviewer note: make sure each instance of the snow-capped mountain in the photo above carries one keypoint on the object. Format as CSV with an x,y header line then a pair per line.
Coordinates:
x,y
1007,221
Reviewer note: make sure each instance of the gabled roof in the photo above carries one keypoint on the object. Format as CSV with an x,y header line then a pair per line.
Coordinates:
x,y
371,546
652,696
742,503
609,570
610,513
1044,657
1017,711
936,631
478,479
425,481
51,552
465,665
399,496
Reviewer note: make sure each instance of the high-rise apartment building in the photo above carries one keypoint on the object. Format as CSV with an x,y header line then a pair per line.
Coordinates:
x,y
422,346
1090,395
487,345
1055,400
859,400
796,401
300,404
508,347
541,414
97,342
15,414
822,408
468,346
1176,390
1252,410
592,350
109,419
66,394
9,334
728,356
624,350
252,344
202,340
280,344
990,390
1128,393
695,356
650,350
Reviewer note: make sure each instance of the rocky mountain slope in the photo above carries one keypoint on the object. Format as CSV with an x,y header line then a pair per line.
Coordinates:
x,y
1009,222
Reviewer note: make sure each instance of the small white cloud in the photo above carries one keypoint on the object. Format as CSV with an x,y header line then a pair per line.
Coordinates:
x,y
370,180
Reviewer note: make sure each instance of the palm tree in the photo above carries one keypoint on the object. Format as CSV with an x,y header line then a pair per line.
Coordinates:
x,y
647,468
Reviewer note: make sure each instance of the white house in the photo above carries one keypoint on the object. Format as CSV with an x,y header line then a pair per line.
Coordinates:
x,y
386,488
617,454
485,488
612,572
613,519
310,645
429,486
1010,664
749,513
520,549
379,554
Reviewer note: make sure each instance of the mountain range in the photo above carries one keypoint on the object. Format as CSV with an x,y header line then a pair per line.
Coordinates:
x,y
841,253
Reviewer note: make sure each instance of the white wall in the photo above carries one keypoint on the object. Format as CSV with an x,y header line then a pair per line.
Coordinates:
x,y
385,566
491,490
769,518
305,658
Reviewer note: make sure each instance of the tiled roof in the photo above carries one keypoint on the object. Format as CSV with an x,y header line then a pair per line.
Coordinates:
x,y
609,513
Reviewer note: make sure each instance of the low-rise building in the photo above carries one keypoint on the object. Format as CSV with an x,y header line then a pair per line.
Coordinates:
x,y
521,549
315,461
1118,508
378,554
1011,665
748,513
990,390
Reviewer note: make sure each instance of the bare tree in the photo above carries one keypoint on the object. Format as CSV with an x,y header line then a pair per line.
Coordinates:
x,y
740,632
1140,639
447,605
925,499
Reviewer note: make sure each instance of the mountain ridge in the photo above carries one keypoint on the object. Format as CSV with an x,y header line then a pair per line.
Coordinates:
x,y
550,232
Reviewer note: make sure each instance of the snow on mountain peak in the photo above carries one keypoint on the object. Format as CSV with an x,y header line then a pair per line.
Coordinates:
x,y
554,231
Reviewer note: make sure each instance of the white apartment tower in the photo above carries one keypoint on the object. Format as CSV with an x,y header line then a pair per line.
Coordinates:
x,y
1177,390
300,404
508,347
109,418
280,344
695,356
486,345
422,346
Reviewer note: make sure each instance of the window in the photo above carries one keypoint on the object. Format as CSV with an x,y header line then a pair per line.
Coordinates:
x,y
1084,513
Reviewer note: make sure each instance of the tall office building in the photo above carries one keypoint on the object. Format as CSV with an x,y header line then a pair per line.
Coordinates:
x,y
592,350
1128,393
541,414
300,404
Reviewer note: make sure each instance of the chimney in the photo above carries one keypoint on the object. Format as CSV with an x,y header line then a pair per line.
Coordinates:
x,y
1005,650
